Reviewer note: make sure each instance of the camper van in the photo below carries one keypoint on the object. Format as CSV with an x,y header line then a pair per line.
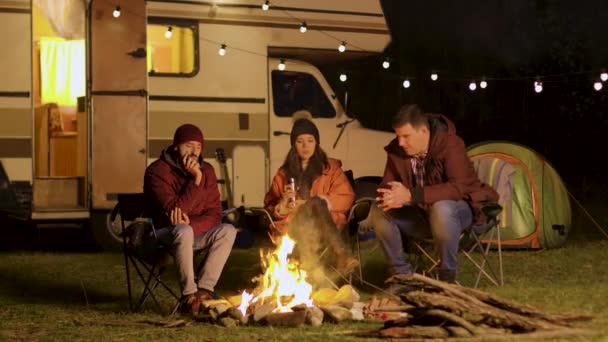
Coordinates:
x,y
92,91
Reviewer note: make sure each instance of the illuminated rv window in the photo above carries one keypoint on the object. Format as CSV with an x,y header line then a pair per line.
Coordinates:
x,y
294,91
172,47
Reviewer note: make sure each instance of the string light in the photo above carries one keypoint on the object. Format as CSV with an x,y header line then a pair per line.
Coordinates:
x,y
386,64
472,86
343,77
538,85
598,85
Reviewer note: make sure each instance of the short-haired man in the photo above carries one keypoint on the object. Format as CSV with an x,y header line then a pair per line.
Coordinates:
x,y
429,188
183,197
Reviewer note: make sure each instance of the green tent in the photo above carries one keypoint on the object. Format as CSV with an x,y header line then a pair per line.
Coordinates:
x,y
536,207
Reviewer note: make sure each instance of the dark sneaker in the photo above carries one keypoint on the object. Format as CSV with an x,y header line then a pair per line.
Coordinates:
x,y
399,289
448,276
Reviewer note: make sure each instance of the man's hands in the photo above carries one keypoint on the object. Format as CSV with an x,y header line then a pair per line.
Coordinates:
x,y
178,217
395,197
194,168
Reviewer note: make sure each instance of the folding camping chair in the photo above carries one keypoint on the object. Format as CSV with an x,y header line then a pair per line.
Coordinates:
x,y
470,242
149,265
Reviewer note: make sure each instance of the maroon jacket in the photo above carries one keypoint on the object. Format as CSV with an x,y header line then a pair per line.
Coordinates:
x,y
168,185
449,173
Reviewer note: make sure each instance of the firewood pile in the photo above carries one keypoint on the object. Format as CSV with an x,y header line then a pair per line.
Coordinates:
x,y
438,310
329,306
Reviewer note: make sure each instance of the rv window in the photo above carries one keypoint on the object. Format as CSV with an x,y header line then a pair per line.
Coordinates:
x,y
172,47
294,91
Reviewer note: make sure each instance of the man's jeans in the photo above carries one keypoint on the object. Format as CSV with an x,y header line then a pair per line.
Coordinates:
x,y
218,240
444,222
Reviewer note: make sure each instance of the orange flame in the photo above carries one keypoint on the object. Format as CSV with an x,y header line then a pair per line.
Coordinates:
x,y
283,280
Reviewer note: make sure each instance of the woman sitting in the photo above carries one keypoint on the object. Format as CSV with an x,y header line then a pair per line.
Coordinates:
x,y
309,199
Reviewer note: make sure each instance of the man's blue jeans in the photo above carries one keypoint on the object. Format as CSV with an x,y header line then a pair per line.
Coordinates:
x,y
444,221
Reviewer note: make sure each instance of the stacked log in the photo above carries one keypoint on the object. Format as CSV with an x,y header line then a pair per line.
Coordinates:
x,y
435,309
329,306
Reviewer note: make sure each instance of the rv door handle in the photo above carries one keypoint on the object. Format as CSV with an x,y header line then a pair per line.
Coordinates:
x,y
138,53
277,133
142,151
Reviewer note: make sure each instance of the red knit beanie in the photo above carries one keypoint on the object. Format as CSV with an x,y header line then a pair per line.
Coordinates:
x,y
186,133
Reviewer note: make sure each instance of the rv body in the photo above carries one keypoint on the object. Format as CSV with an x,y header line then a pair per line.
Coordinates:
x,y
70,162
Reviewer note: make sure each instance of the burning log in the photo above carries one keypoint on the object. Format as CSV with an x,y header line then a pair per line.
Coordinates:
x,y
286,319
440,310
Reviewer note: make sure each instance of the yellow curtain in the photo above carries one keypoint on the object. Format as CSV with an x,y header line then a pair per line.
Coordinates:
x,y
62,66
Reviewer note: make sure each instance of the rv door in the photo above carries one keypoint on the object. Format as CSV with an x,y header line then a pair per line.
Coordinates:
x,y
301,90
119,104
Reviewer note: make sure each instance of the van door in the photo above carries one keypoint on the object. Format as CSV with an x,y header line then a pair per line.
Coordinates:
x,y
298,89
118,94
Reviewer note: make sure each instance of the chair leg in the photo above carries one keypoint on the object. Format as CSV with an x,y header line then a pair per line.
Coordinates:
x,y
434,262
481,267
128,281
499,243
148,288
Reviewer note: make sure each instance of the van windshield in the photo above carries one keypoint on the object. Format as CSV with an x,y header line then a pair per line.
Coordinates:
x,y
294,91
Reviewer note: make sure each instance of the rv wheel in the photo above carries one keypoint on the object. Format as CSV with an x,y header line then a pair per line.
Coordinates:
x,y
106,230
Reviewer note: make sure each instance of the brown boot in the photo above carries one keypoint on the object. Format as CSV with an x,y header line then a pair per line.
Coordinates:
x,y
190,304
347,265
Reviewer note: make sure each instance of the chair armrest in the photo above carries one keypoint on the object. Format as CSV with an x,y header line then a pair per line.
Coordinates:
x,y
491,209
263,211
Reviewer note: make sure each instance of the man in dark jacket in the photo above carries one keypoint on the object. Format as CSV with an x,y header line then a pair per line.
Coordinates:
x,y
429,188
183,198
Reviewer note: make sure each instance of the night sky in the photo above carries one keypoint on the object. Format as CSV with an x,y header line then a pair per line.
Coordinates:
x,y
511,43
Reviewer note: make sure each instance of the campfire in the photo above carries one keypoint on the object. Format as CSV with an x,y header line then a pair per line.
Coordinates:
x,y
283,283
284,296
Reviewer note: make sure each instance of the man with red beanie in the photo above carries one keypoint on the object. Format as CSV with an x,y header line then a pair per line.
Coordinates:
x,y
184,201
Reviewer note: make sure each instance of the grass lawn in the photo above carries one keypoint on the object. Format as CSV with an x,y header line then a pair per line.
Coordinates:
x,y
81,296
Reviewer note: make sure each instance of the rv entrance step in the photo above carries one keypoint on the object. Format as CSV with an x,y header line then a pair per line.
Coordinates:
x,y
60,215
62,193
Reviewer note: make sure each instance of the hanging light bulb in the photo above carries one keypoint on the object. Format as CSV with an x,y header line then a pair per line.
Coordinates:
x,y
472,86
434,76
169,32
282,64
303,27
116,12
483,84
538,86
598,85
604,76
266,5
406,84
342,47
343,77
222,50
386,64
